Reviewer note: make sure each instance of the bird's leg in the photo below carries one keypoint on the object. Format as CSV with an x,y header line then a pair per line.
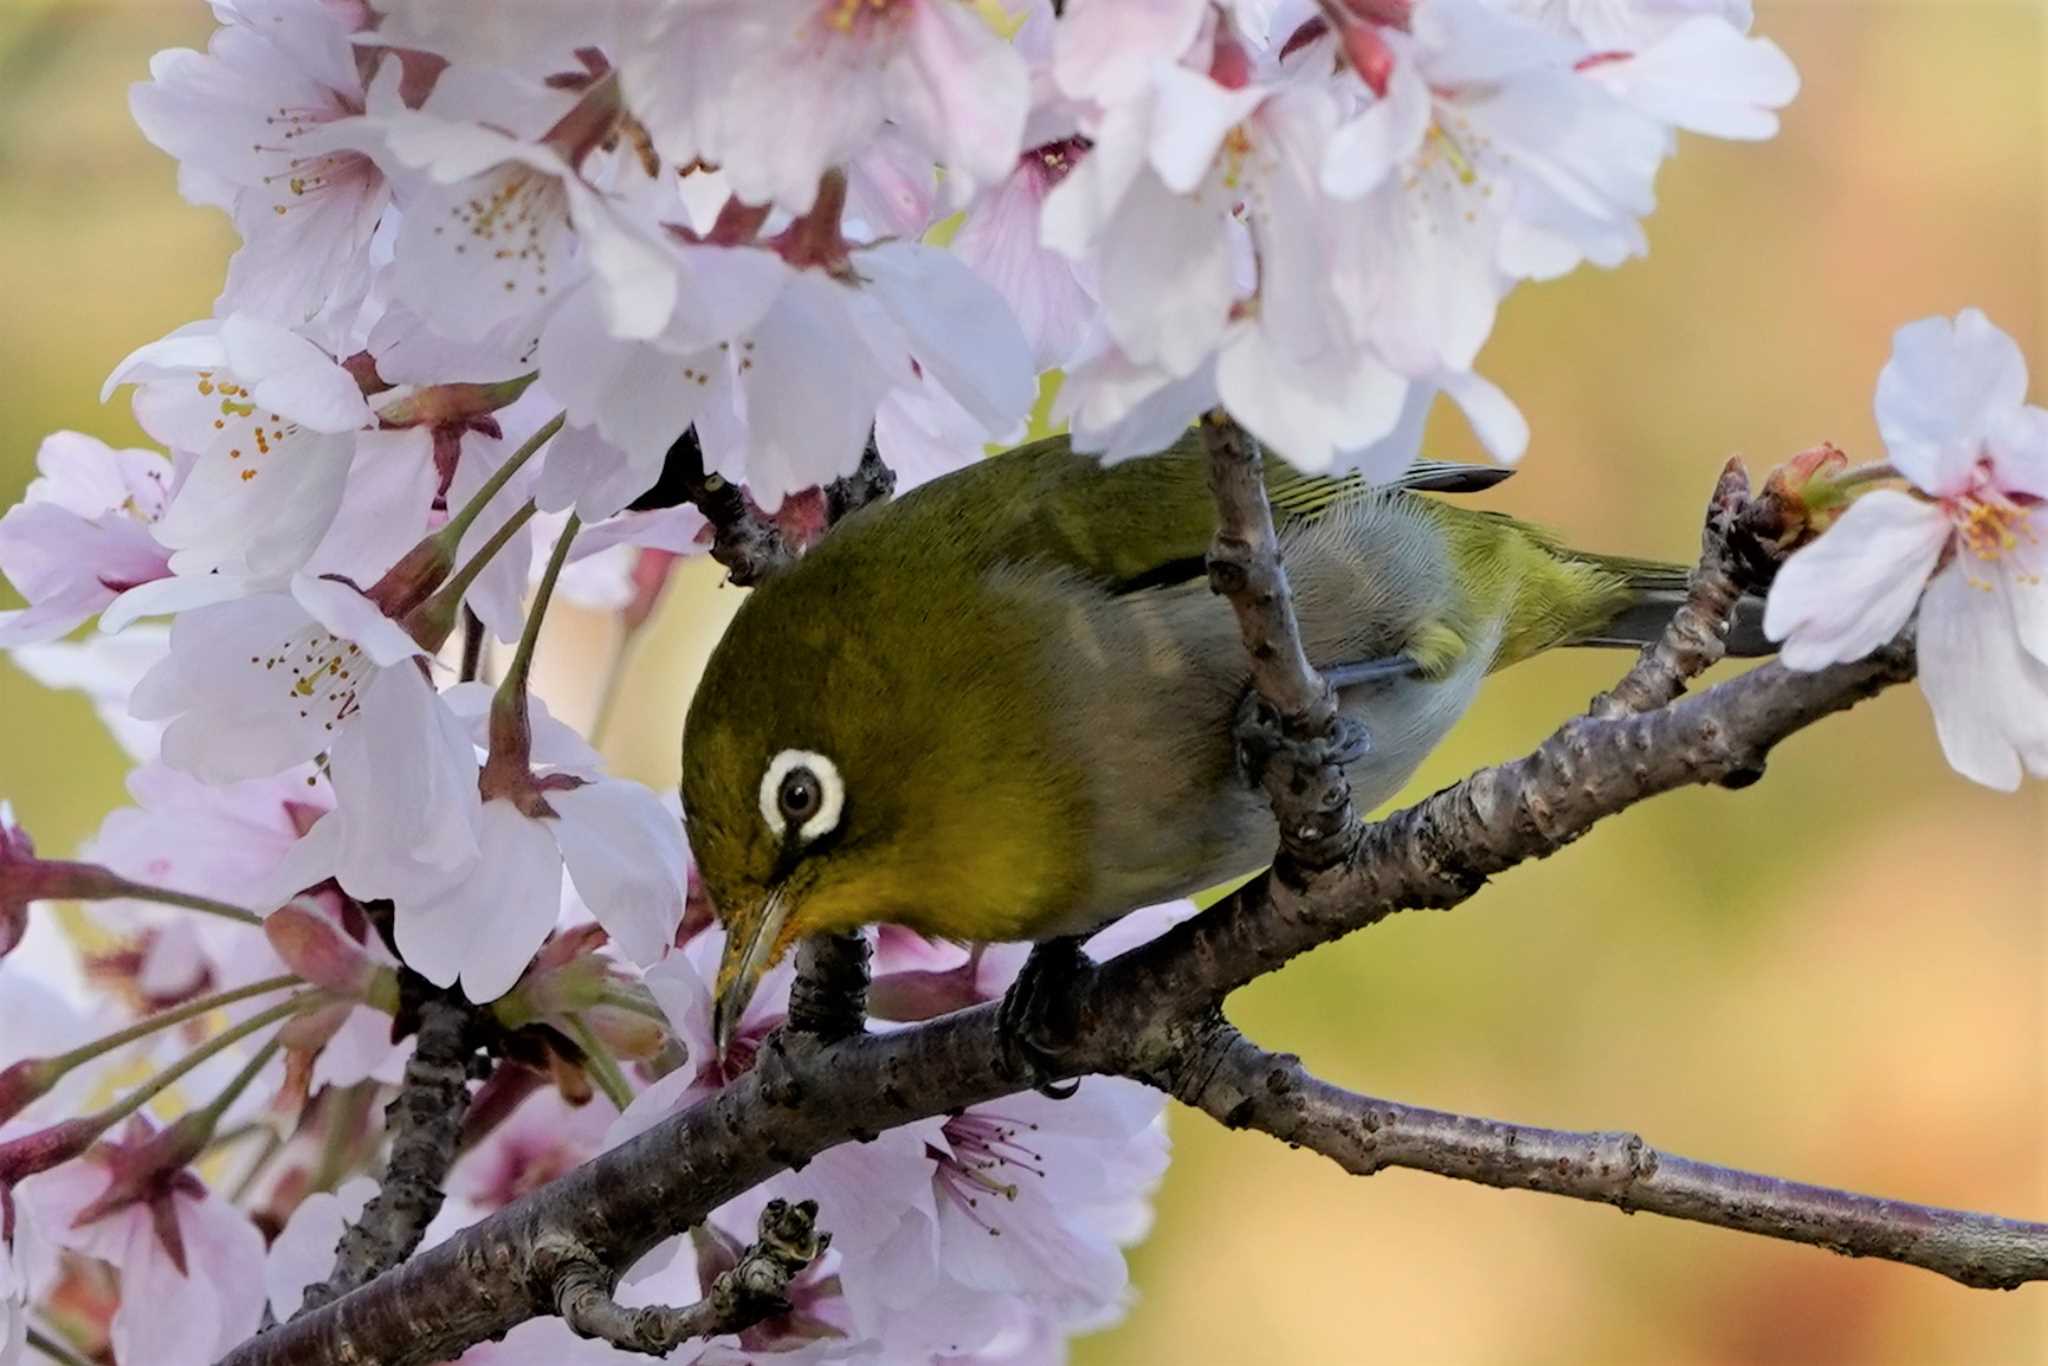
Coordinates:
x,y
1262,737
1038,1011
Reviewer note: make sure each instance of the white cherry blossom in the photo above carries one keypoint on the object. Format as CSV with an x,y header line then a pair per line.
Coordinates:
x,y
80,536
252,122
1951,405
778,92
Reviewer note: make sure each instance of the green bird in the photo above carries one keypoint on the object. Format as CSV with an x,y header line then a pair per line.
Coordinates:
x,y
1001,706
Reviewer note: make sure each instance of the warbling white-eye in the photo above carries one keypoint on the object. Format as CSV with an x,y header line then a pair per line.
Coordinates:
x,y
1001,706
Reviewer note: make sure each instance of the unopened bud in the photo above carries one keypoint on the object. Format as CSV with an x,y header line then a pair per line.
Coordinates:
x,y
315,948
47,1147
25,1083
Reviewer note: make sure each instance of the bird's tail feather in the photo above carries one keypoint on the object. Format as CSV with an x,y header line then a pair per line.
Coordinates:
x,y
1660,592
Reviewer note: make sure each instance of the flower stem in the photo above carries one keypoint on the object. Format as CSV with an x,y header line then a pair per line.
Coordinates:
x,y
227,1038
608,693
54,1350
142,1029
601,1065
433,621
516,673
459,523
624,998
229,1094
1865,474
273,1144
142,891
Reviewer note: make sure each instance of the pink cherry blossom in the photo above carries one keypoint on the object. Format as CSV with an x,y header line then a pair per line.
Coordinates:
x,y
267,419
778,92
1951,407
191,1264
999,240
251,122
255,685
80,536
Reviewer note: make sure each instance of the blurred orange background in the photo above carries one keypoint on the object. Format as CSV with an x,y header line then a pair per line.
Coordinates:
x,y
1836,975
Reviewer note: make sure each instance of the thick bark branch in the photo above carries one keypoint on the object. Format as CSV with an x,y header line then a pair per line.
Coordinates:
x,y
426,1127
1247,1087
751,1291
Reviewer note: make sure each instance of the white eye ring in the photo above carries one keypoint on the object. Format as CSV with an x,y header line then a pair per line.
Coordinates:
x,y
831,793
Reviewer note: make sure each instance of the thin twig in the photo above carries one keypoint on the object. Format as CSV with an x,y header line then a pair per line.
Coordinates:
x,y
1290,735
425,1120
1247,1087
755,1289
1697,636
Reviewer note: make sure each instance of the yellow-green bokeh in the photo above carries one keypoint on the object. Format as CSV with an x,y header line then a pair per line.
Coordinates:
x,y
1837,974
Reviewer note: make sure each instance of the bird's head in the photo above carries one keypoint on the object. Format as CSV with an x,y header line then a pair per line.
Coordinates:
x,y
858,752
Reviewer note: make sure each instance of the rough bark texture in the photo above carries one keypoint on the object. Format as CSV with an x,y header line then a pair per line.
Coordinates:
x,y
425,1123
1249,1087
749,545
1697,637
738,1299
829,998
1290,736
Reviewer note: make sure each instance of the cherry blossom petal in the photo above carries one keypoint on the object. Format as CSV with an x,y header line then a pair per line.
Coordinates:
x,y
485,928
625,855
1946,382
303,1251
1989,696
1854,588
1707,76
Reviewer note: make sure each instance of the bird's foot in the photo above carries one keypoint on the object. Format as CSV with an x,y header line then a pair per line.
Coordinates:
x,y
1038,1011
1262,737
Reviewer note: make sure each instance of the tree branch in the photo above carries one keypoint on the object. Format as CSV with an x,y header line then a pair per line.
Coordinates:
x,y
751,1291
1247,1087
829,998
1697,637
749,545
1290,736
426,1124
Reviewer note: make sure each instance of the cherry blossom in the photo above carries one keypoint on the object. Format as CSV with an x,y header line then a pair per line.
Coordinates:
x,y
80,536
257,684
1951,405
174,1241
267,419
778,92
23,1257
252,122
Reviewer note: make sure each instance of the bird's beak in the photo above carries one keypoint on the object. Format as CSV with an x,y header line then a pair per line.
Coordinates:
x,y
748,954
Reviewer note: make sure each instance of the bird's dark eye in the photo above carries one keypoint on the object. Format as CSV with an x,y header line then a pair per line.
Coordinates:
x,y
800,797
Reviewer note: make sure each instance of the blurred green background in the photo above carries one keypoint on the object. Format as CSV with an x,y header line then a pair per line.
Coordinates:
x,y
1837,974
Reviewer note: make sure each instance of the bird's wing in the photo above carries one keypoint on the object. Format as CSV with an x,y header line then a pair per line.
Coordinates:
x,y
1143,523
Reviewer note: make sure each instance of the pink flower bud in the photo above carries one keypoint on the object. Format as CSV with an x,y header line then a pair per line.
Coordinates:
x,y
47,1147
25,1083
315,948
